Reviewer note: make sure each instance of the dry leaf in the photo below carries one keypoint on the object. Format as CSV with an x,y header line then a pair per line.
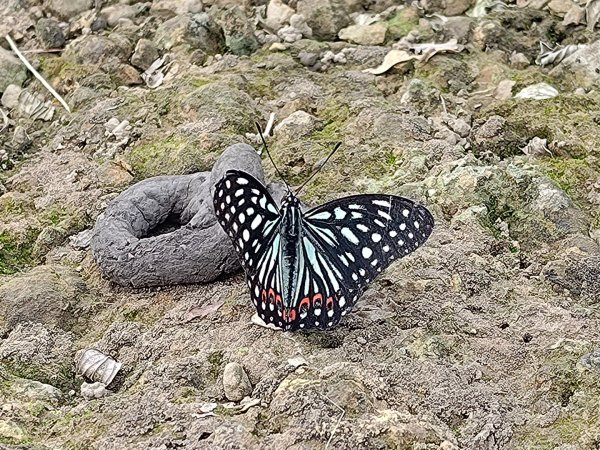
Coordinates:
x,y
202,311
427,51
393,58
419,52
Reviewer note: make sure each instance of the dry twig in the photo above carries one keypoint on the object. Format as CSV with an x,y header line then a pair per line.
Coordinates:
x,y
14,48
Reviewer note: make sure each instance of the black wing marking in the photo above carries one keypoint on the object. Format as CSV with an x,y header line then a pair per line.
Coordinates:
x,y
250,217
348,242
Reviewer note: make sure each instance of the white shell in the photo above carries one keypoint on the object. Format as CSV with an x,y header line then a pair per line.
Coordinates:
x,y
96,366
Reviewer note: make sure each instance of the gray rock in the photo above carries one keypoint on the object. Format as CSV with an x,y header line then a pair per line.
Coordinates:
x,y
50,33
91,391
239,31
46,294
42,354
144,55
50,237
30,390
96,49
133,245
325,17
308,59
278,14
114,13
67,10
195,31
591,360
178,7
297,124
519,61
497,137
373,34
583,66
579,275
10,98
448,7
235,382
12,71
459,126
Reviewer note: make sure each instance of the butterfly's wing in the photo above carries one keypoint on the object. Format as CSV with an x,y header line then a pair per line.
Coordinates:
x,y
346,244
249,215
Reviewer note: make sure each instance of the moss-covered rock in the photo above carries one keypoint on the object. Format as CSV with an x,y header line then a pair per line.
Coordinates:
x,y
402,23
569,119
16,249
42,354
221,108
46,294
178,153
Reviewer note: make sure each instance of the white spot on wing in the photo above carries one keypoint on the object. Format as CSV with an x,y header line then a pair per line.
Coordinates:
x,y
348,234
376,237
321,216
383,203
256,222
367,252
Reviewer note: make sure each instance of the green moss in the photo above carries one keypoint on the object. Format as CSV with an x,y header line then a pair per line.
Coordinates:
x,y
402,23
335,116
571,175
572,119
447,73
199,82
16,250
216,360
186,395
55,375
577,393
11,205
62,69
169,156
527,77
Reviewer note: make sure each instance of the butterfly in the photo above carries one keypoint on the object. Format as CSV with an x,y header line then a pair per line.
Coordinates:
x,y
307,269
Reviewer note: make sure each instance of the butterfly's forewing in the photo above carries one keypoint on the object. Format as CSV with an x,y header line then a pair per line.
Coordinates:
x,y
250,217
349,242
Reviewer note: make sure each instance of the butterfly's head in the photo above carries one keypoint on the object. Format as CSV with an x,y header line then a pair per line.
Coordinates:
x,y
290,200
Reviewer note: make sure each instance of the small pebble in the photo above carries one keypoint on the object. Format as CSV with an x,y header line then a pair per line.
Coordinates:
x,y
10,98
236,383
519,61
91,391
308,59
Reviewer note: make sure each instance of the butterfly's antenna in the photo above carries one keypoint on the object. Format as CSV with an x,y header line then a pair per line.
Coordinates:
x,y
260,133
338,145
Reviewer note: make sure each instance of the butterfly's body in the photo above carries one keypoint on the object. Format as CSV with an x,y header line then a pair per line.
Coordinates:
x,y
290,230
307,269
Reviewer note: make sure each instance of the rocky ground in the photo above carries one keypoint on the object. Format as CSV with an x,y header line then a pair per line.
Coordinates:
x,y
486,338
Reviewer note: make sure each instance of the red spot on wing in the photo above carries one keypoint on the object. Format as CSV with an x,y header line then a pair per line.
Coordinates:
x,y
317,300
329,303
304,305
